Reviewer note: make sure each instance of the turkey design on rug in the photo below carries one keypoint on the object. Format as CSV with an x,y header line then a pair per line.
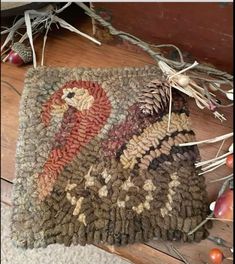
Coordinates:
x,y
96,162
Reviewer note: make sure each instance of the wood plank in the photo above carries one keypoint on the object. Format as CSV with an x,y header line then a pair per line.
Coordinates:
x,y
198,252
8,71
6,192
142,254
9,117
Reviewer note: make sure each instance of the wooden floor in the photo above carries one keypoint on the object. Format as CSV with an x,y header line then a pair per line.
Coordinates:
x,y
67,49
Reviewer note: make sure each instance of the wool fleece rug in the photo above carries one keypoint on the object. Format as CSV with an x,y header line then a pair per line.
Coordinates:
x,y
96,162
52,254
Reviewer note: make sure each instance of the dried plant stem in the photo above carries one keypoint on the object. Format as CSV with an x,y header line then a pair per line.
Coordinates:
x,y
170,45
207,80
222,189
219,241
184,70
44,41
182,90
190,88
30,35
146,47
224,178
199,88
66,25
218,162
221,163
3,53
217,154
180,255
213,140
36,22
219,219
170,106
219,116
63,8
92,19
201,224
11,31
211,160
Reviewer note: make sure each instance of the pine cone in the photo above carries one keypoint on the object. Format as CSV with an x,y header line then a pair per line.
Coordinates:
x,y
155,97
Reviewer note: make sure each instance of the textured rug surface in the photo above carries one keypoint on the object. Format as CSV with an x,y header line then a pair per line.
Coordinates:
x,y
96,164
53,253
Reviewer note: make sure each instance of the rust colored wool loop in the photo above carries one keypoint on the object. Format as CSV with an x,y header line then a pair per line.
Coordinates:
x,y
105,167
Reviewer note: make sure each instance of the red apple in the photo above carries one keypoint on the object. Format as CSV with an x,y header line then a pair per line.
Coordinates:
x,y
224,206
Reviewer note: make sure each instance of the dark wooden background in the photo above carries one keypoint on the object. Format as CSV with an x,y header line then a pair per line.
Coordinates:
x,y
202,30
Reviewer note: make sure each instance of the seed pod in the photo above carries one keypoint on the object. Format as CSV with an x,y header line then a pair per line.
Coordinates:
x,y
20,54
154,98
229,94
183,80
